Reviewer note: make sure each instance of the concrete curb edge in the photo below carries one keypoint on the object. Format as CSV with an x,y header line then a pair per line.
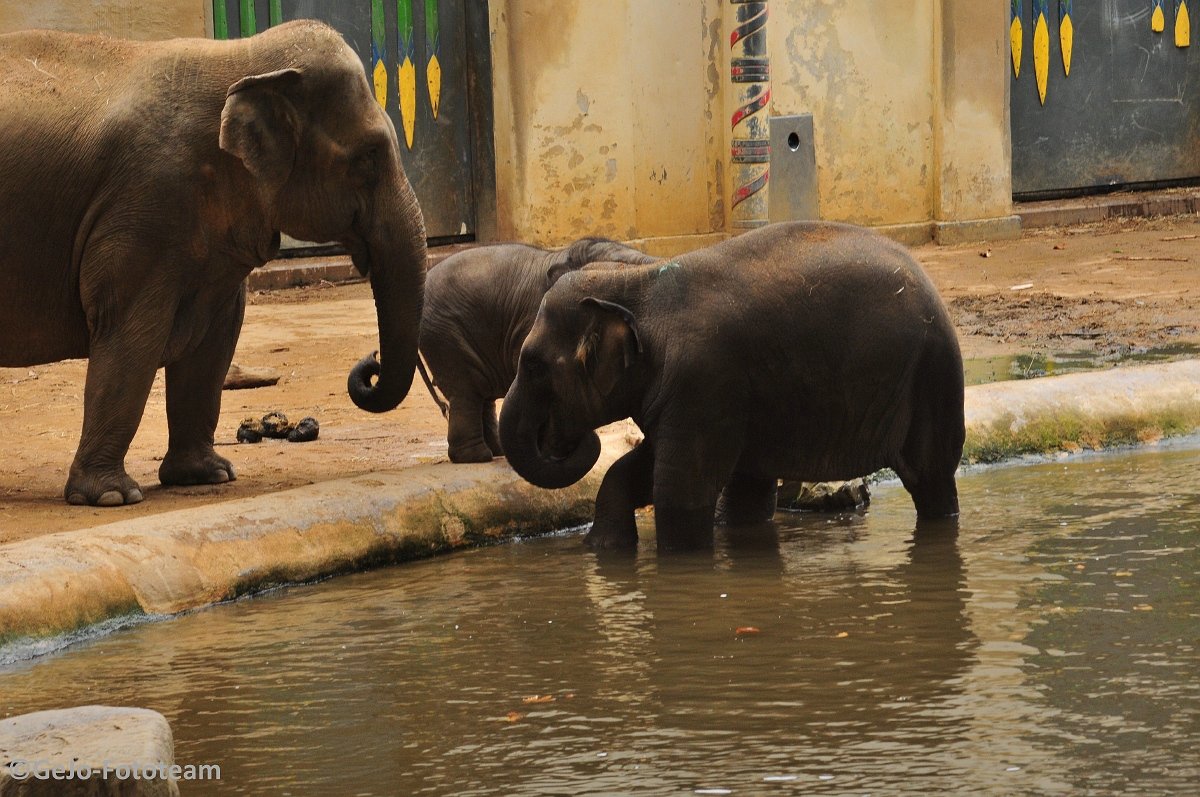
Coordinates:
x,y
176,561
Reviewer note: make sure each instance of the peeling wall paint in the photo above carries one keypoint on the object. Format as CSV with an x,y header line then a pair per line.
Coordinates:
x,y
864,70
604,120
909,100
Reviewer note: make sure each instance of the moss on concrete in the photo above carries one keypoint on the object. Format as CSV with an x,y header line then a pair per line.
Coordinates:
x,y
1072,430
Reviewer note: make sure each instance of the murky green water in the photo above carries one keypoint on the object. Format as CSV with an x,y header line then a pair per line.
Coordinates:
x,y
981,370
1052,649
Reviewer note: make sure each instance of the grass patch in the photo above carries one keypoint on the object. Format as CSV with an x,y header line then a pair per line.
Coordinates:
x,y
1069,430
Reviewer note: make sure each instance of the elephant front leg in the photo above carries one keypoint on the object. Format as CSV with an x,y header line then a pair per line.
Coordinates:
x,y
194,383
466,439
627,486
687,477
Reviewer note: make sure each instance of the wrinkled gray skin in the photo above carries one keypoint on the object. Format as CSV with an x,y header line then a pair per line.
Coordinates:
x,y
479,306
142,183
807,351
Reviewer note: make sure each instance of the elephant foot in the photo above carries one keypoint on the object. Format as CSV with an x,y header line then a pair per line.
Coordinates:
x,y
746,501
609,536
474,453
680,529
195,468
90,488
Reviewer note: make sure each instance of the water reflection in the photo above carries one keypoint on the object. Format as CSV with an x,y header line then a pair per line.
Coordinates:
x,y
888,657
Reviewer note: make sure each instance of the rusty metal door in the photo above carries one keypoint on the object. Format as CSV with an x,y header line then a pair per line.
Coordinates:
x,y
429,63
1128,111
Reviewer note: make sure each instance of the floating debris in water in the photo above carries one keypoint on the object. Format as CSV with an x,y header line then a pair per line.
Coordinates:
x,y
746,630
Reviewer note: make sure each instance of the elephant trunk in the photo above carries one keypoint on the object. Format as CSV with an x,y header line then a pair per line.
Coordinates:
x,y
521,433
393,255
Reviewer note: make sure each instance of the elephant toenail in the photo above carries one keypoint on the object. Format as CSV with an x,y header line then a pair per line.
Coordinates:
x,y
134,497
77,499
110,498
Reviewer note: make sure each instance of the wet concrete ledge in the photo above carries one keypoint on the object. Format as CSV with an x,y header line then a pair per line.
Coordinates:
x,y
164,564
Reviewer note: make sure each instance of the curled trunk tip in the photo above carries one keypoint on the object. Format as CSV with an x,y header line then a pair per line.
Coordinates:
x,y
366,393
519,436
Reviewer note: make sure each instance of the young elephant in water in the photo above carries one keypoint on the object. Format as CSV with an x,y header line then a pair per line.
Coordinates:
x,y
804,351
479,305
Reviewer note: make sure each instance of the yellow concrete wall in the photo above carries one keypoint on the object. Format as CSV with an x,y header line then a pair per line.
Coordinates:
x,y
864,70
595,102
605,118
129,19
973,140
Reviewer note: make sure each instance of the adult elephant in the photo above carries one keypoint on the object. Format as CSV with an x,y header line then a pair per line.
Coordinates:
x,y
805,351
479,306
142,183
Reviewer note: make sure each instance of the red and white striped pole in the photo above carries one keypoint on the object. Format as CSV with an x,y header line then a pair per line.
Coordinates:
x,y
750,81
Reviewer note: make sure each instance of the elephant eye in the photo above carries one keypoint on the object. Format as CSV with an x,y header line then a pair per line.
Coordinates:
x,y
366,164
534,367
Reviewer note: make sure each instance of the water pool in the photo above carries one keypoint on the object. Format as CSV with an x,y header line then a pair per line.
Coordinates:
x,y
1050,648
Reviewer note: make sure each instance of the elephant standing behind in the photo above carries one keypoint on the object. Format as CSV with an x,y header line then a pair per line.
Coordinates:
x,y
479,306
804,351
142,181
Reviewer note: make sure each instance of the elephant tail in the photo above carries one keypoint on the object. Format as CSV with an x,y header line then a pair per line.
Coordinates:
x,y
432,387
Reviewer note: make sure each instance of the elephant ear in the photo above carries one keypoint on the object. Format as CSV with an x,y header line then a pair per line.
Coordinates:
x,y
610,344
261,126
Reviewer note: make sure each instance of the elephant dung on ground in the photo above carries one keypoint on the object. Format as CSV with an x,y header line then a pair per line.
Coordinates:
x,y
806,351
142,183
479,306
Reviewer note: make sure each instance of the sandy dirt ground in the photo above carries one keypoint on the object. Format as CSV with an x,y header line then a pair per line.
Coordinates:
x,y
1112,288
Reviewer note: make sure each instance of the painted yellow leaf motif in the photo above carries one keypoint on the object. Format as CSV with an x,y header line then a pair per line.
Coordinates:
x,y
408,99
1183,26
380,78
1041,55
433,80
1157,21
1066,38
1014,36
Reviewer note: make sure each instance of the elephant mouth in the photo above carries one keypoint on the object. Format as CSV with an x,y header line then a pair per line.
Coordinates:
x,y
553,446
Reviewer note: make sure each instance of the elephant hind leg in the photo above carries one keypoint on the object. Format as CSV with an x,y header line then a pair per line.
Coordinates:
x,y
933,446
194,384
491,429
465,437
747,500
934,495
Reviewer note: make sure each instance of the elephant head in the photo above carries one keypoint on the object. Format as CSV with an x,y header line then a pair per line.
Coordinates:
x,y
326,166
578,370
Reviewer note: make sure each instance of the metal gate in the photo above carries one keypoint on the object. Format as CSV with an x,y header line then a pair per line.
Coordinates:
x,y
429,63
1128,111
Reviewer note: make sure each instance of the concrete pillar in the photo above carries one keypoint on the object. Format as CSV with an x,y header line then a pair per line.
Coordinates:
x,y
972,133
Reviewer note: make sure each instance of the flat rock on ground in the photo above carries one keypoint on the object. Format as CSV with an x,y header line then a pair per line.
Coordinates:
x,y
98,747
